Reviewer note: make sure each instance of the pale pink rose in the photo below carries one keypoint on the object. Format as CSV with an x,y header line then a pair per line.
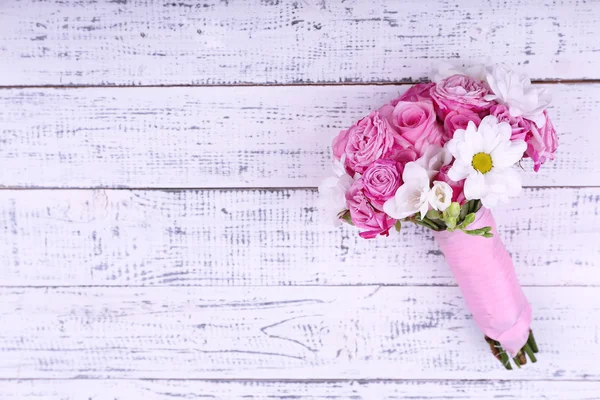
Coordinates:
x,y
541,143
520,126
418,92
460,92
458,119
403,155
457,187
369,140
364,215
381,180
417,125
339,144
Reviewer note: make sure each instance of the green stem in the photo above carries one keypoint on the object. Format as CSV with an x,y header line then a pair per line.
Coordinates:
x,y
424,222
532,343
529,352
503,355
517,362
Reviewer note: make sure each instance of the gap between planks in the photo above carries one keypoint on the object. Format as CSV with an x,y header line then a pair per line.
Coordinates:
x,y
308,285
248,84
226,189
295,380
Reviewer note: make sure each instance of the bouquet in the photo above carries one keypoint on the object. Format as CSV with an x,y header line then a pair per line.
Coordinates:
x,y
441,156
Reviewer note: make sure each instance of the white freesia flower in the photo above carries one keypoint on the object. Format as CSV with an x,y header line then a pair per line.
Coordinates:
x,y
484,156
332,191
434,158
440,196
413,195
446,69
518,94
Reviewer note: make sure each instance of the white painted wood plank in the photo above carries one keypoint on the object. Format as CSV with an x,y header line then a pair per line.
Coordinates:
x,y
282,332
226,42
79,389
226,137
258,237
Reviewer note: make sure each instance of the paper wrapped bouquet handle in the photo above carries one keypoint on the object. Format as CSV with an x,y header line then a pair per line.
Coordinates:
x,y
486,276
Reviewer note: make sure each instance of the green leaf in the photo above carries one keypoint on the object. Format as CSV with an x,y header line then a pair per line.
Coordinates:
x,y
346,217
426,223
464,210
398,226
476,205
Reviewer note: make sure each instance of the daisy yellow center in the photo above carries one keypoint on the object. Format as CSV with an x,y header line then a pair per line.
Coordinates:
x,y
482,162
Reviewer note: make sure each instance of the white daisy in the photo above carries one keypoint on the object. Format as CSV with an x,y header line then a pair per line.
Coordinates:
x,y
520,96
484,157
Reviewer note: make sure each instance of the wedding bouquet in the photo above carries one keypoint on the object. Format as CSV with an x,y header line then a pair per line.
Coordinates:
x,y
440,156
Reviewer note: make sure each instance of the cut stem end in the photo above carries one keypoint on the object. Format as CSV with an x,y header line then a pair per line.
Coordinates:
x,y
528,350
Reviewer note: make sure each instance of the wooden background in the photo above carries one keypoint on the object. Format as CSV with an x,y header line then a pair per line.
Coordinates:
x,y
160,238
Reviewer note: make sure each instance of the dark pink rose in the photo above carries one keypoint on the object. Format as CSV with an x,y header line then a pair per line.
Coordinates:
x,y
457,187
520,126
369,140
541,143
381,180
458,119
418,92
417,125
460,92
364,215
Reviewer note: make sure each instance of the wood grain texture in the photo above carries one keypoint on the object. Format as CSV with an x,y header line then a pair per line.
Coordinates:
x,y
80,389
280,332
267,237
226,137
134,42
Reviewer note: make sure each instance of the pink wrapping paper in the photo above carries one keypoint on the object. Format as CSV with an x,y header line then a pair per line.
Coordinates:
x,y
486,276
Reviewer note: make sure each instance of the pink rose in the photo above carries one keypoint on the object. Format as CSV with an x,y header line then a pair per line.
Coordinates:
x,y
369,140
339,144
418,92
520,126
541,143
460,92
381,180
457,187
364,215
458,119
417,124
402,155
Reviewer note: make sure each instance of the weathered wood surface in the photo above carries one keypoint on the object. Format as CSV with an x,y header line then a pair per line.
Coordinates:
x,y
251,285
133,42
80,389
226,137
267,237
312,332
